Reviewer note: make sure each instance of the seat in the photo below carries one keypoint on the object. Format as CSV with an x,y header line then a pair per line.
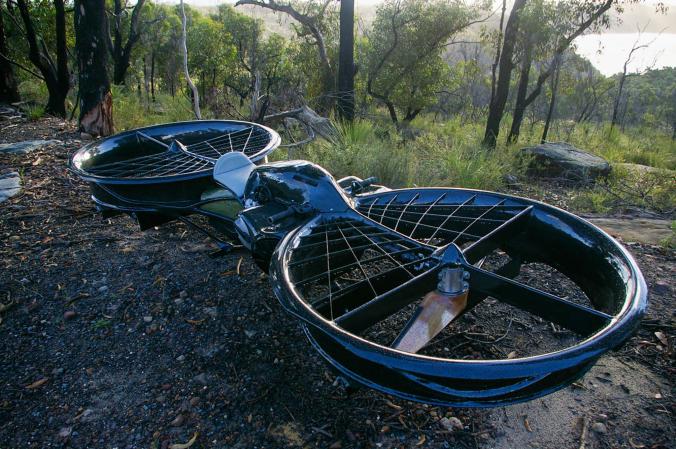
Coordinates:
x,y
232,171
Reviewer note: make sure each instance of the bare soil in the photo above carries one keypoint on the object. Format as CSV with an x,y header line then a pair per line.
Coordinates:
x,y
117,338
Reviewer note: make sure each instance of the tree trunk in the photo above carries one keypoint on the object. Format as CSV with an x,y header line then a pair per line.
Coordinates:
x,y
522,90
616,104
184,47
121,51
152,75
56,76
96,101
346,61
498,48
552,102
497,106
9,91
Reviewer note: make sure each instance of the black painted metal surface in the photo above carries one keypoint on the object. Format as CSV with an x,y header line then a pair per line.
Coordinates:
x,y
343,262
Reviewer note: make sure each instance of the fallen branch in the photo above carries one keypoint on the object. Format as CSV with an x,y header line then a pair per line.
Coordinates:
x,y
322,126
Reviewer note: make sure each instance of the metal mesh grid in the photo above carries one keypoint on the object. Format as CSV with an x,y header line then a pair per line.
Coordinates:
x,y
178,159
346,262
438,219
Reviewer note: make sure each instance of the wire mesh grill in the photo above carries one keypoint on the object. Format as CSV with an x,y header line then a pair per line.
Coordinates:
x,y
439,218
344,263
177,159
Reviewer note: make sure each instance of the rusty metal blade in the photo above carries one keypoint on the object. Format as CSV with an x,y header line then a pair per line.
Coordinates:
x,y
435,312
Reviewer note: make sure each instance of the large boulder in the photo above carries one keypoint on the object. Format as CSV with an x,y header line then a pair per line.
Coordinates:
x,y
26,146
10,185
564,162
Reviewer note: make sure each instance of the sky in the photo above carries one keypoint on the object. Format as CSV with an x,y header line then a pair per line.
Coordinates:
x,y
606,51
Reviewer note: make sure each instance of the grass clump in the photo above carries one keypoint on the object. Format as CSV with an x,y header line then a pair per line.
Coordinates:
x,y
132,110
628,189
437,157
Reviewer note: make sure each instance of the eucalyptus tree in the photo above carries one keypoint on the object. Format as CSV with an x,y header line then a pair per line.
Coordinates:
x,y
121,45
96,101
9,90
403,55
571,19
53,71
315,23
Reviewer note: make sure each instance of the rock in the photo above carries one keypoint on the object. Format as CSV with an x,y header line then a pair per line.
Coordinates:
x,y
564,162
644,169
599,427
633,229
147,319
249,333
201,379
180,358
451,424
103,289
10,185
65,432
211,311
26,146
88,415
86,136
69,314
183,294
510,180
194,401
57,372
178,421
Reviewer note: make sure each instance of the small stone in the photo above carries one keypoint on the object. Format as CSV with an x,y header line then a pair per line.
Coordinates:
x,y
88,415
180,358
27,146
599,427
103,289
510,180
183,294
178,421
69,314
194,401
201,379
65,432
336,445
249,333
451,423
178,301
57,372
10,185
211,311
86,136
147,319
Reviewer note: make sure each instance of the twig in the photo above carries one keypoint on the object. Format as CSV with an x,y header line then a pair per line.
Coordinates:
x,y
583,435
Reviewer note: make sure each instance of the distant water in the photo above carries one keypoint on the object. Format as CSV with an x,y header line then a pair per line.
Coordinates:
x,y
609,51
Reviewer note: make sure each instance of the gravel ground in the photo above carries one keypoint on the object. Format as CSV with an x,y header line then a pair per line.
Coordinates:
x,y
116,338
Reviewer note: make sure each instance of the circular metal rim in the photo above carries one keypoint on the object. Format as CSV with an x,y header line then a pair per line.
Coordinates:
x,y
580,355
275,141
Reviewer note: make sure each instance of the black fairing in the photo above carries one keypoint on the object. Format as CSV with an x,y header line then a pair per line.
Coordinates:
x,y
295,183
276,187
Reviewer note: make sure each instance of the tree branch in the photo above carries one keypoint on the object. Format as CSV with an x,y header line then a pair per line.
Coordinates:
x,y
22,67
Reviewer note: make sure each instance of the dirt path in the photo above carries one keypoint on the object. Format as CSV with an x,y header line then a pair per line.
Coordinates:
x,y
129,339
